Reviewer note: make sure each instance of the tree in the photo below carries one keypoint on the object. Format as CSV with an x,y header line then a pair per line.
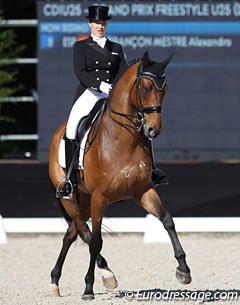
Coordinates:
x,y
9,51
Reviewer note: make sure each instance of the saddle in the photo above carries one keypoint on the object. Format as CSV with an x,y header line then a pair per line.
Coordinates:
x,y
87,121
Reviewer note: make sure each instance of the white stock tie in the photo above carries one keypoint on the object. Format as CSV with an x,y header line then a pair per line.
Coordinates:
x,y
100,41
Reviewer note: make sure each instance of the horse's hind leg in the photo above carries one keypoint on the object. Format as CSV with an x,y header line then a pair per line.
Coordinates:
x,y
152,203
68,239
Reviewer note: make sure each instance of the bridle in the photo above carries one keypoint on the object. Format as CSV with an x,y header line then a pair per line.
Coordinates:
x,y
159,84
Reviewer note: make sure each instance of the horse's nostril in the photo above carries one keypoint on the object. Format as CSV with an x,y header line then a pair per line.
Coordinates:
x,y
151,132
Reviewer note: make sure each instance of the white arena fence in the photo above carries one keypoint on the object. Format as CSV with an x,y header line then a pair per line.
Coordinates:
x,y
149,226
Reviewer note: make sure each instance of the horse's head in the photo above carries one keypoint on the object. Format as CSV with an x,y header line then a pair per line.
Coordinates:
x,y
151,87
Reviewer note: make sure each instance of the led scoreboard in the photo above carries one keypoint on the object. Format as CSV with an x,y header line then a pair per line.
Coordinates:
x,y
202,107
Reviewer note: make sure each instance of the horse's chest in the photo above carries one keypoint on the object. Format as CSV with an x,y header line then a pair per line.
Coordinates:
x,y
139,170
128,181
137,173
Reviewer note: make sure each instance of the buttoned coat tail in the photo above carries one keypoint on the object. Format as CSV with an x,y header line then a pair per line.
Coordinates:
x,y
93,64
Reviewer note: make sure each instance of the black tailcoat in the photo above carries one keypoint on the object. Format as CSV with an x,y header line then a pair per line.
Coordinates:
x,y
93,64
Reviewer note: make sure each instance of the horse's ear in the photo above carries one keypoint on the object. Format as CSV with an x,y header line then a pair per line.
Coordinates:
x,y
145,59
167,60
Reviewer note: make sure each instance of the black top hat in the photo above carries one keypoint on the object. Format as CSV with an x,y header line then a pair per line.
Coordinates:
x,y
98,13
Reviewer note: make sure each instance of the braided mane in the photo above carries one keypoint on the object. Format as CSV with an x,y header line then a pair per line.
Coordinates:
x,y
129,64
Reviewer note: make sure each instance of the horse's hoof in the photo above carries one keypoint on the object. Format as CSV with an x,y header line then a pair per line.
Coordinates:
x,y
110,282
87,297
183,277
53,290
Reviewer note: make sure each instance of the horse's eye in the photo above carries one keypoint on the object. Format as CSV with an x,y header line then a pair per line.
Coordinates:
x,y
146,89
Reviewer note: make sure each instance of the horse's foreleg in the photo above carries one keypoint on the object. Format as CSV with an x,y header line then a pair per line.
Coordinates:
x,y
152,203
80,216
95,246
108,277
68,239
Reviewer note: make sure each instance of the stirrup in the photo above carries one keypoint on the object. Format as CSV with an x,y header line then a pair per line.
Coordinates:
x,y
64,193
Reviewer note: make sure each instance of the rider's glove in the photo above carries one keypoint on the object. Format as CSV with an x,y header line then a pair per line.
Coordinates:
x,y
105,87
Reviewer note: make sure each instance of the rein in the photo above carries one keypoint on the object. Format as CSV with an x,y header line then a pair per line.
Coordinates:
x,y
140,109
126,116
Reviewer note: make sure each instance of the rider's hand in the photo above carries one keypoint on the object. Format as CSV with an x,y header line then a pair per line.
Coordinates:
x,y
105,87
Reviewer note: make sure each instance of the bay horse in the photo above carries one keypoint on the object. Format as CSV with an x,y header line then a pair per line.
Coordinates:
x,y
117,166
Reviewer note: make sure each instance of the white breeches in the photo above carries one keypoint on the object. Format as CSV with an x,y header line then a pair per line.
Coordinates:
x,y
81,108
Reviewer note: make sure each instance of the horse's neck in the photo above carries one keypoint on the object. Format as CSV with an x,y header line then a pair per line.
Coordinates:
x,y
121,96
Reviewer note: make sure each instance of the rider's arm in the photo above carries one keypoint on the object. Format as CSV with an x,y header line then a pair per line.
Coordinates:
x,y
81,69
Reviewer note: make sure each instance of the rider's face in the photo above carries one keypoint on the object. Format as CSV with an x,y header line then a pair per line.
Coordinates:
x,y
98,28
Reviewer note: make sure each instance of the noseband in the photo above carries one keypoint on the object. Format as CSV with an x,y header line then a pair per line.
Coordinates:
x,y
159,84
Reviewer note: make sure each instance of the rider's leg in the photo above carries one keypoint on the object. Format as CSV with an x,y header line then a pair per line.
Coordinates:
x,y
70,149
80,109
70,183
159,178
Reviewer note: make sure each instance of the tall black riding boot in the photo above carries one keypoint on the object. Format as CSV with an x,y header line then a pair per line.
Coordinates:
x,y
158,176
70,182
